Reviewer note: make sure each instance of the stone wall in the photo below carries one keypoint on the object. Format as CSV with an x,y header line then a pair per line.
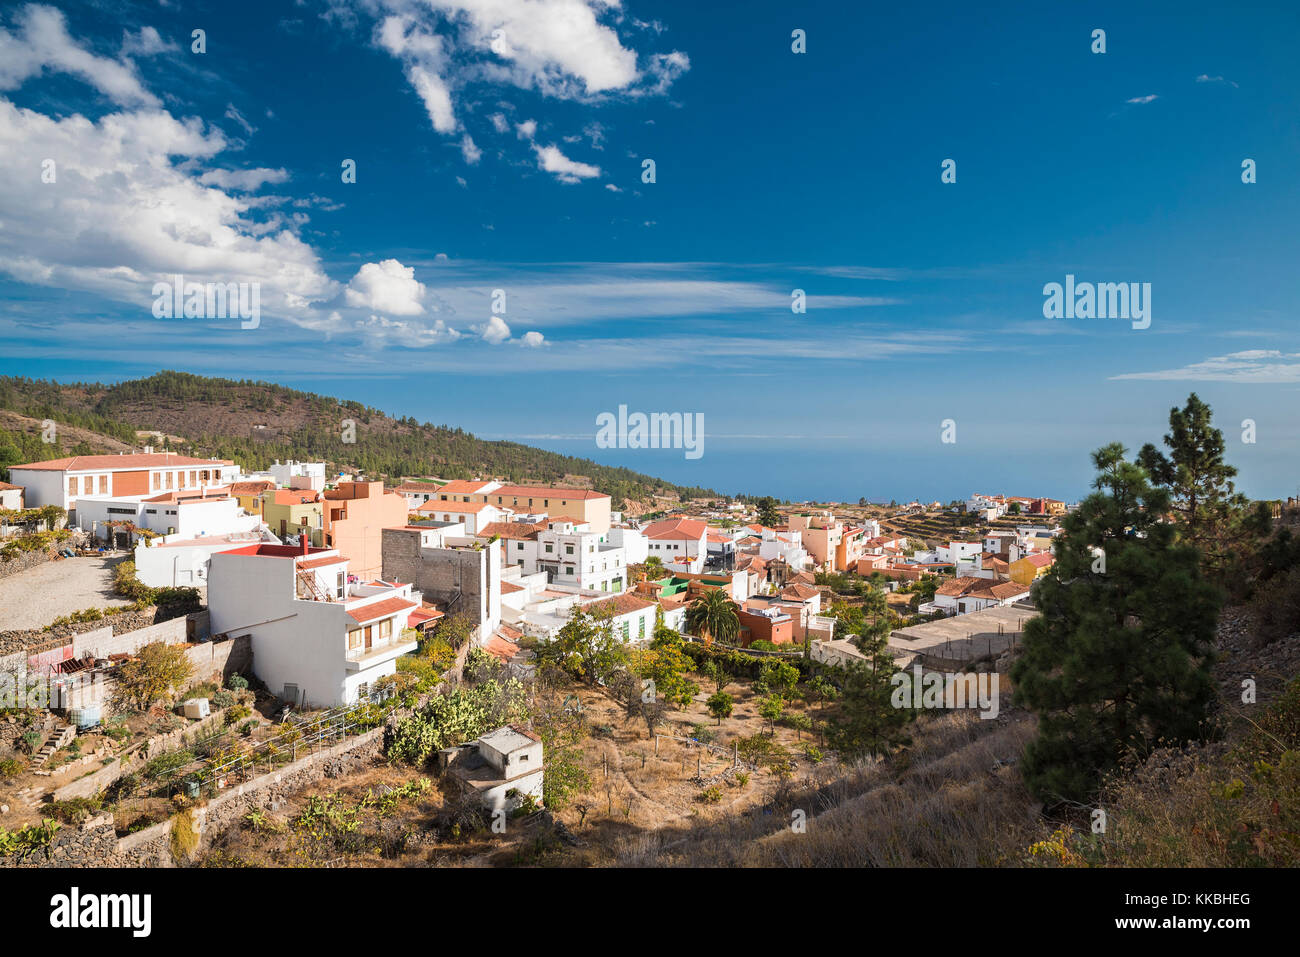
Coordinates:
x,y
95,844
23,561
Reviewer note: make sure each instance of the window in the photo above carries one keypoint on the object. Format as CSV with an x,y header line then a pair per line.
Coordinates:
x,y
72,486
194,478
549,548
641,627
354,638
568,549
170,477
87,485
340,585
519,546
103,485
626,631
386,628
157,481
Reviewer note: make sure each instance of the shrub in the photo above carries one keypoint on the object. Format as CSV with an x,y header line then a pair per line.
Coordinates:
x,y
76,810
237,682
9,768
712,794
1276,607
30,741
222,700
184,839
154,673
237,713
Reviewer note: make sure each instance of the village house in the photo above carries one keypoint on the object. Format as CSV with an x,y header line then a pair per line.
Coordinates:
x,y
63,481
319,637
356,513
503,768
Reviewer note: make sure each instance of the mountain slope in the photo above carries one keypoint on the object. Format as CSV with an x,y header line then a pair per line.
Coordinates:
x,y
255,423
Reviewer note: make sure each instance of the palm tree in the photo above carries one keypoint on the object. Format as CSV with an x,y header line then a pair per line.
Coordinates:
x,y
712,615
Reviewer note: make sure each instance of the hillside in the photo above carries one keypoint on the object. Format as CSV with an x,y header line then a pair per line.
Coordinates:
x,y
256,423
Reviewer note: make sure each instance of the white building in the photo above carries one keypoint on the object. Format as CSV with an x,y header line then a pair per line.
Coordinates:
x,y
292,474
682,542
955,552
473,515
636,547
504,768
187,514
63,481
572,555
175,561
11,496
317,638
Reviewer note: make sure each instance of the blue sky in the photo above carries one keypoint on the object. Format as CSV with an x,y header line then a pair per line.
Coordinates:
x,y
499,145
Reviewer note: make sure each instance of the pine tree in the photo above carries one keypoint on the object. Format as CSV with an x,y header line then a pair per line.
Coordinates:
x,y
868,720
1119,659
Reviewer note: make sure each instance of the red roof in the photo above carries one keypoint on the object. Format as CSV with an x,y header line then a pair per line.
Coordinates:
x,y
620,604
547,492
139,460
322,562
677,528
380,609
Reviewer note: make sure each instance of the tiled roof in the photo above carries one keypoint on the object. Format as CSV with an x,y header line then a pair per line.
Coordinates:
x,y
138,460
799,592
518,531
380,609
959,586
418,487
6,487
547,492
1000,591
322,562
251,488
1040,559
509,588
677,528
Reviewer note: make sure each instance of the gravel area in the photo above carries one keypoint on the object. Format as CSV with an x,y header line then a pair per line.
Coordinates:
x,y
35,597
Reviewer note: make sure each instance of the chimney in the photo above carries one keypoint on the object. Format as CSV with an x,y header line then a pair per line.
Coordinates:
x,y
303,539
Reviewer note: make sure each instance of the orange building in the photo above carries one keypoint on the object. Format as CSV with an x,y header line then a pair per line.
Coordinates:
x,y
356,513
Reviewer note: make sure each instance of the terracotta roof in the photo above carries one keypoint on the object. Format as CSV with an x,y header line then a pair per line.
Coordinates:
x,y
251,488
525,732
322,562
677,528
799,592
547,492
420,615
380,609
462,487
139,460
509,588
419,487
6,487
959,586
515,531
1000,591
1039,559
620,604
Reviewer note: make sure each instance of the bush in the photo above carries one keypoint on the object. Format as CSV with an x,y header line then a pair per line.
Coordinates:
x,y
9,768
30,741
76,810
1276,607
237,682
184,840
237,714
711,795
154,673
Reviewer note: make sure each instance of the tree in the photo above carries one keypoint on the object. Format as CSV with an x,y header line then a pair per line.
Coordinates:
x,y
1119,660
821,690
779,677
1213,516
868,721
771,708
155,674
720,705
767,513
713,616
586,647
1013,508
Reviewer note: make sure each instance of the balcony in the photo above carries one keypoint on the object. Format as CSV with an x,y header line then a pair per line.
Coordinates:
x,y
358,659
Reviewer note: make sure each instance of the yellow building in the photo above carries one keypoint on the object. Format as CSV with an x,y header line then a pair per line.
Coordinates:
x,y
292,511
1025,570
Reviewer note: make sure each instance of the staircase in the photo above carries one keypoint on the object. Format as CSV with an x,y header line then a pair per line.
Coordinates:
x,y
60,740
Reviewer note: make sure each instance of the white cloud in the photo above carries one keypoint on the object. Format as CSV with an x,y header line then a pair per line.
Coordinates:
x,y
532,340
243,180
526,130
234,114
44,44
564,49
1250,366
495,330
471,152
550,159
612,188
148,42
1206,78
1143,100
386,286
